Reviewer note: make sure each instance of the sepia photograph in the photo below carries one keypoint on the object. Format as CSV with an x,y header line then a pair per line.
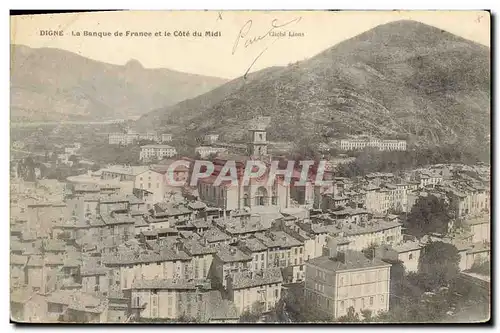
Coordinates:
x,y
250,167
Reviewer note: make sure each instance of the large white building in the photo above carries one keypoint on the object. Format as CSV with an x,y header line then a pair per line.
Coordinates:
x,y
128,138
206,151
381,144
340,280
149,152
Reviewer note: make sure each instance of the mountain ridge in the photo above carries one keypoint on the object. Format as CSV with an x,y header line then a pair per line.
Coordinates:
x,y
50,84
402,78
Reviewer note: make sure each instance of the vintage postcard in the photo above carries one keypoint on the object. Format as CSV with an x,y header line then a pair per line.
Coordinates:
x,y
250,167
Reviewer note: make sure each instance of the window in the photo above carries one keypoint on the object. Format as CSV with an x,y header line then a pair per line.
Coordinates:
x,y
262,256
301,250
371,300
410,256
149,185
341,283
276,291
382,299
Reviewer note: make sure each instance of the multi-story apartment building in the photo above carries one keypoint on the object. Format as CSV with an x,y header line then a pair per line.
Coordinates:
x,y
118,138
257,251
206,151
42,216
468,200
154,182
255,290
122,173
408,253
360,144
339,280
480,228
227,262
166,137
211,138
130,137
378,199
374,231
149,152
169,298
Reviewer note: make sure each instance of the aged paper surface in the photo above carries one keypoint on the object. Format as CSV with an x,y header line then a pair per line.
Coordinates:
x,y
250,166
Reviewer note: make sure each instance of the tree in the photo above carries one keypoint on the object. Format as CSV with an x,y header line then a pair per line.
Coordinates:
x,y
367,315
351,317
438,265
481,267
369,251
248,316
300,310
186,319
429,214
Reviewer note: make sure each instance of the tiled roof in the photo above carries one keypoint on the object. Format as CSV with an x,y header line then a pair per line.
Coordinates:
x,y
375,226
54,259
200,223
197,205
148,257
171,209
407,246
54,245
232,254
253,244
35,261
18,260
194,247
243,280
21,295
353,260
479,220
214,235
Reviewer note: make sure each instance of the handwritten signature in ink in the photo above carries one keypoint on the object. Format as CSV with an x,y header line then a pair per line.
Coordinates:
x,y
252,40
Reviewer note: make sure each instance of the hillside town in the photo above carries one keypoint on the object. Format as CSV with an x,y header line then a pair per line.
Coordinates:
x,y
127,243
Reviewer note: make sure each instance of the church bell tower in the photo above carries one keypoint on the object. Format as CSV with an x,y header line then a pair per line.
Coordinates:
x,y
258,141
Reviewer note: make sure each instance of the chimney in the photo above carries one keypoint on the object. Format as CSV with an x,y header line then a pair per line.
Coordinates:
x,y
341,256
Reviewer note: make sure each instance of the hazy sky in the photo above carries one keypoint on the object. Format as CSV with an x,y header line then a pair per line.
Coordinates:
x,y
217,56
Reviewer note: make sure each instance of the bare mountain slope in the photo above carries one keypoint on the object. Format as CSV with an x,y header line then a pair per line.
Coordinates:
x,y
399,79
53,84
